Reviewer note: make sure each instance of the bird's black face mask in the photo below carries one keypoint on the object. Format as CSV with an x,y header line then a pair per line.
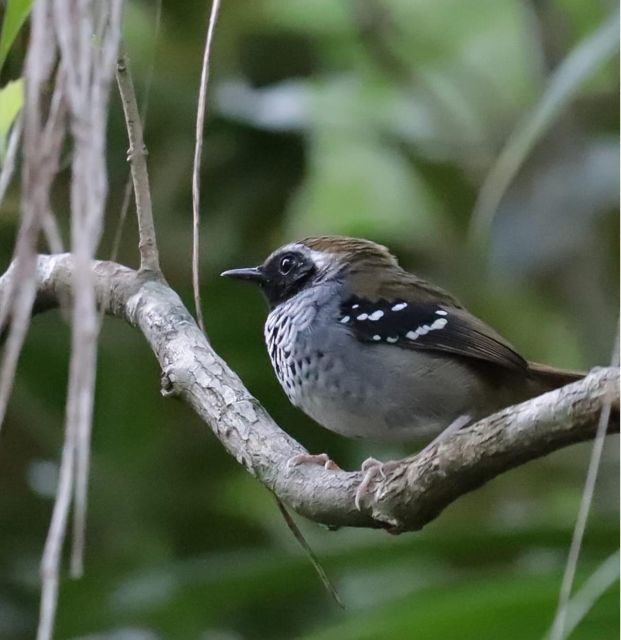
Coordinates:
x,y
280,277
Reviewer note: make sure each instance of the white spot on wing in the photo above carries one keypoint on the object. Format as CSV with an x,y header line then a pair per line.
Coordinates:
x,y
392,339
362,316
376,315
377,338
441,312
355,306
345,319
424,329
399,306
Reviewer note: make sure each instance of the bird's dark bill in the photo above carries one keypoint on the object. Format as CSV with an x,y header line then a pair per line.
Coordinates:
x,y
254,274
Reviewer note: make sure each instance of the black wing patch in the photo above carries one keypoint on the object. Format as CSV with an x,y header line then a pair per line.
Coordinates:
x,y
411,325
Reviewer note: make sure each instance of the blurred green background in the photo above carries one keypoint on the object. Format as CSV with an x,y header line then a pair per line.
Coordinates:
x,y
379,118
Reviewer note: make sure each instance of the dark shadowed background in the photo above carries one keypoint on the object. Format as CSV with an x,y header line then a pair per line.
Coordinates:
x,y
379,118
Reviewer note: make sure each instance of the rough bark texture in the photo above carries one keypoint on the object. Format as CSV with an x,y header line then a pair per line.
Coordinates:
x,y
415,490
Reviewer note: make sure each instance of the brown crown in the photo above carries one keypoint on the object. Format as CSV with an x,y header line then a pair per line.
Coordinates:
x,y
352,249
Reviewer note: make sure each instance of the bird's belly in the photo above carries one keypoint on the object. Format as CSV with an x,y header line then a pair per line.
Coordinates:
x,y
355,395
365,420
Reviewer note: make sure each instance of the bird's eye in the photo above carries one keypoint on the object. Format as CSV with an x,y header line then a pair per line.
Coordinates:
x,y
286,265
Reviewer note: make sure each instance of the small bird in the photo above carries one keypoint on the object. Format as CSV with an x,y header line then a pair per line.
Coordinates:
x,y
369,350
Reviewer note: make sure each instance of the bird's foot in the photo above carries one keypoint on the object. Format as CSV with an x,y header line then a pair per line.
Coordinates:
x,y
371,468
308,458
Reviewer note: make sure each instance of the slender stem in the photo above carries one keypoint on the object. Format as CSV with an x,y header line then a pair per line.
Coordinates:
x,y
559,631
149,256
310,554
196,171
11,156
52,553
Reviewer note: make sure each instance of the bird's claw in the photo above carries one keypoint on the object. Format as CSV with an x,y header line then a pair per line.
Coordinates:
x,y
371,468
308,458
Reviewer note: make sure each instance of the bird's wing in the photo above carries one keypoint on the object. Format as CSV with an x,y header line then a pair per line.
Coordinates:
x,y
439,325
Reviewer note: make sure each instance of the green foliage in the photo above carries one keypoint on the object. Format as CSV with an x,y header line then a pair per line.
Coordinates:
x,y
505,606
11,100
15,14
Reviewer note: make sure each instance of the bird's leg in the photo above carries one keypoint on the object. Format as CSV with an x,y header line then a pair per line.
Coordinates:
x,y
371,469
309,458
459,423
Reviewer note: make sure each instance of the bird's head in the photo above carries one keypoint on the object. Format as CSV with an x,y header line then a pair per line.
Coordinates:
x,y
299,265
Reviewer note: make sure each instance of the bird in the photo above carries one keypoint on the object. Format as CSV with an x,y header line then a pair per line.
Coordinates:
x,y
370,350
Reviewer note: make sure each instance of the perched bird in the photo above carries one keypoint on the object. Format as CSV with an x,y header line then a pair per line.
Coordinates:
x,y
371,351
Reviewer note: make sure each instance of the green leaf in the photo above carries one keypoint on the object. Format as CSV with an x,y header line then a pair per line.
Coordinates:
x,y
11,100
15,14
564,84
512,607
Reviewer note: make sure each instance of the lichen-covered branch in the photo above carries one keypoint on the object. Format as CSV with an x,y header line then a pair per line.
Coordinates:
x,y
416,489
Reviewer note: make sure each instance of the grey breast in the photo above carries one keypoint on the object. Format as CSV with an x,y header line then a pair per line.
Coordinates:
x,y
355,389
291,330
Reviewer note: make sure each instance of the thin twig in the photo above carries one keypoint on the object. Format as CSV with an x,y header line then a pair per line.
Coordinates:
x,y
87,71
120,225
149,255
41,141
310,554
196,170
589,593
558,627
144,110
50,562
52,233
11,156
52,140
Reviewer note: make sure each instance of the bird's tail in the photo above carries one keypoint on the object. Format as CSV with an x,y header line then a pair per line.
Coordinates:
x,y
549,378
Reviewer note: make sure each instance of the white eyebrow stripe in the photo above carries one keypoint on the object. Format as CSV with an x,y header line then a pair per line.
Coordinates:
x,y
441,312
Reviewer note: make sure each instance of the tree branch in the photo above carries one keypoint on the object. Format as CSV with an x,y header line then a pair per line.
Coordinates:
x,y
413,493
136,155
